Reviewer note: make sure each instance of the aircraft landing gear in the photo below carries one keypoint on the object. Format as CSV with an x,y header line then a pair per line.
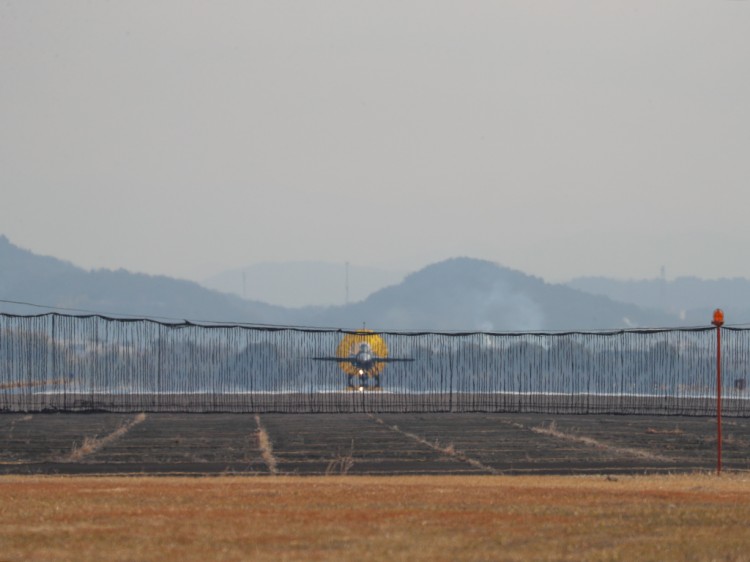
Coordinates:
x,y
363,382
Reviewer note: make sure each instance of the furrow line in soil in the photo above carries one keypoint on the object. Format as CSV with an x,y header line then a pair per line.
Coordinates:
x,y
448,450
266,448
91,445
551,430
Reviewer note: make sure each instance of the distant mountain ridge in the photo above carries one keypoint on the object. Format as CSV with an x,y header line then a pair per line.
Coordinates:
x,y
459,294
43,280
472,294
691,299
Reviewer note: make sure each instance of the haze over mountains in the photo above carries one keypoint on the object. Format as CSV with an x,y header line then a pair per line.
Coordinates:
x,y
459,294
690,299
309,283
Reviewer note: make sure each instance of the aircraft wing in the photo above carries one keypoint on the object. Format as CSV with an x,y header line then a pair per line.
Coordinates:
x,y
351,360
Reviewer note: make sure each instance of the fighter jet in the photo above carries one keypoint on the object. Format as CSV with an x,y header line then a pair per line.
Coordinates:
x,y
366,364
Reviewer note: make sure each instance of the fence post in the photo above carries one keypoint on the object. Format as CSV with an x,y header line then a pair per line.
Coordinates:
x,y
718,321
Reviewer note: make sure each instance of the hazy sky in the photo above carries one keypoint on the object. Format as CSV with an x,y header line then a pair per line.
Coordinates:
x,y
558,137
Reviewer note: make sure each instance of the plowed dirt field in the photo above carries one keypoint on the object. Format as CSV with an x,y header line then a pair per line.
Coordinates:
x,y
365,444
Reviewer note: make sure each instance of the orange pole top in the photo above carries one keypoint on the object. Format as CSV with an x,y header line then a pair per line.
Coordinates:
x,y
718,318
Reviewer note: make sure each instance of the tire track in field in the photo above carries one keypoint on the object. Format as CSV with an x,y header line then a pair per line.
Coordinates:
x,y
266,447
551,430
448,450
91,445
11,428
15,421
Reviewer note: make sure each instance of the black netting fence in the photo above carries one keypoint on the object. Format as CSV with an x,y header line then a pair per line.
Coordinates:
x,y
80,363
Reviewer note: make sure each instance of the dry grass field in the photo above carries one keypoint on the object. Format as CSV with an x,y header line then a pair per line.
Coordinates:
x,y
685,517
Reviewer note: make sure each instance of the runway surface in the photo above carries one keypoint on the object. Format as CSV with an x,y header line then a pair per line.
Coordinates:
x,y
346,402
193,444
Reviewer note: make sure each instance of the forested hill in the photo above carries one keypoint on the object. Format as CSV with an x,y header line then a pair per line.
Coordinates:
x,y
691,299
27,277
472,294
459,294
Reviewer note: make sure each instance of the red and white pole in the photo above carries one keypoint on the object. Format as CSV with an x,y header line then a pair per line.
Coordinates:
x,y
718,321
